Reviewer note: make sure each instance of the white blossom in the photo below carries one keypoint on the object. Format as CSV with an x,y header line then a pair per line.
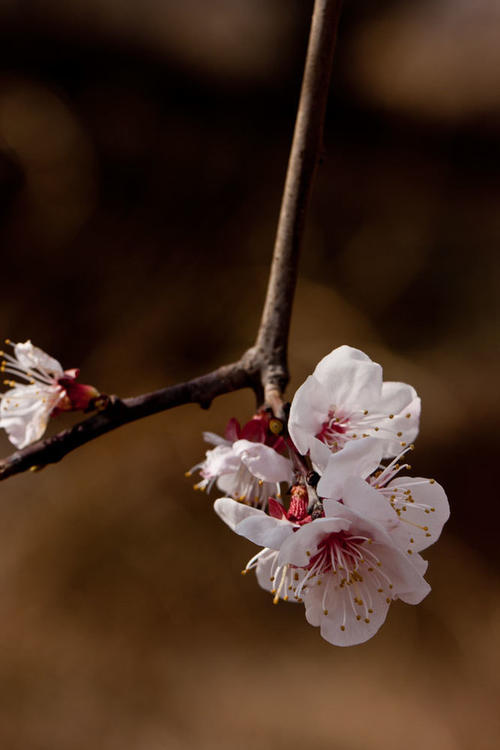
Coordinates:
x,y
45,389
343,566
248,470
346,399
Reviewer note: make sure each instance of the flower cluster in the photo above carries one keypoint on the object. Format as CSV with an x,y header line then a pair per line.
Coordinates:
x,y
42,390
347,541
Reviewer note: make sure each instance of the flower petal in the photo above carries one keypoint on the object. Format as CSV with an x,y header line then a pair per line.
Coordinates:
x,y
308,412
350,377
25,412
265,530
233,512
424,515
263,462
213,439
220,460
406,579
368,502
359,458
30,356
343,622
280,581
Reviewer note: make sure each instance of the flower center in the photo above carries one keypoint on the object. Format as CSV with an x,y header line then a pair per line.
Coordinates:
x,y
334,431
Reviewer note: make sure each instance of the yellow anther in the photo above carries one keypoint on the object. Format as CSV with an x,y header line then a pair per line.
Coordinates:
x,y
370,611
342,627
276,426
391,416
387,601
187,473
432,481
409,552
403,445
408,416
244,572
261,482
325,611
399,434
367,619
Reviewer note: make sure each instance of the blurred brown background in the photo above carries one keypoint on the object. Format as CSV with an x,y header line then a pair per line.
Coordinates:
x,y
143,148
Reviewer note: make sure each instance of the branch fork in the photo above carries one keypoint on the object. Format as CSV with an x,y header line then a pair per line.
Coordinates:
x,y
263,367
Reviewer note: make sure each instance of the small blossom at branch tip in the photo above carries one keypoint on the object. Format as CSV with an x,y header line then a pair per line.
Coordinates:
x,y
41,390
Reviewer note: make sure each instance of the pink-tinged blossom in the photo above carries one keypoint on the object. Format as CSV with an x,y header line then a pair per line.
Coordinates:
x,y
413,510
344,567
247,464
47,390
346,399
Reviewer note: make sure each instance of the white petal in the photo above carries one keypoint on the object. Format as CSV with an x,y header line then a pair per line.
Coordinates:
x,y
406,579
265,566
265,530
350,377
253,523
320,454
368,502
423,519
30,356
211,437
233,512
230,484
220,460
337,615
272,578
396,397
405,422
263,462
25,412
308,412
359,458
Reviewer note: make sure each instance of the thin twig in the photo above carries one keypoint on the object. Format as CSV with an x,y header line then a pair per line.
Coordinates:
x,y
263,367
272,338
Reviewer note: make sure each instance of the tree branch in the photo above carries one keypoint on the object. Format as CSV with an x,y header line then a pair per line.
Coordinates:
x,y
272,339
263,367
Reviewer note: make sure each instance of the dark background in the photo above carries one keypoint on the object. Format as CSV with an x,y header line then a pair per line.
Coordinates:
x,y
143,148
